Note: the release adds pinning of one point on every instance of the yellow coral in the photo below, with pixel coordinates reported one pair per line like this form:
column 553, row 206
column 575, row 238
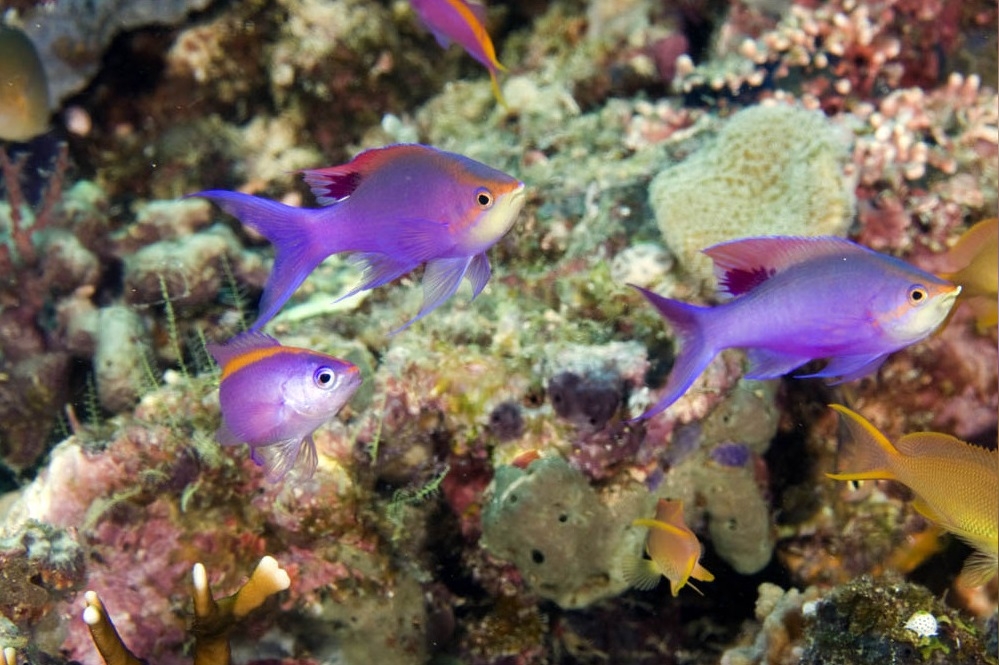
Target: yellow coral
column 773, row 170
column 212, row 619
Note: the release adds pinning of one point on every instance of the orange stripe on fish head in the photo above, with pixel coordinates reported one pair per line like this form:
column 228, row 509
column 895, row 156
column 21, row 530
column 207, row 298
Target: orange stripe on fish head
column 254, row 356
column 924, row 301
column 487, row 204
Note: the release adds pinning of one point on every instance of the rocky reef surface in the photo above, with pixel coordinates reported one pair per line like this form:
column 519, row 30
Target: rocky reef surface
column 474, row 502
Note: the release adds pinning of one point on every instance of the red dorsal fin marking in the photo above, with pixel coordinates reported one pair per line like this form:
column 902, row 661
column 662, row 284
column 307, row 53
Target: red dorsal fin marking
column 335, row 183
column 738, row 281
column 742, row 265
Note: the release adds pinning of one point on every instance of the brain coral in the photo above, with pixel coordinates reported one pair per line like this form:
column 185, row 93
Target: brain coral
column 773, row 170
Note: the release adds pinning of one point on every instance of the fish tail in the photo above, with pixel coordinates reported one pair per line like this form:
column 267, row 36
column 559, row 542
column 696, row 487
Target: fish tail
column 497, row 93
column 696, row 352
column 868, row 455
column 298, row 249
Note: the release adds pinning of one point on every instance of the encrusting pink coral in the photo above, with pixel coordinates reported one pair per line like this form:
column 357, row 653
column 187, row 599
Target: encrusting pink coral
column 212, row 619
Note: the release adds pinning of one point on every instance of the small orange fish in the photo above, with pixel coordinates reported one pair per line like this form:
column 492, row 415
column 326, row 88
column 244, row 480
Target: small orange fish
column 673, row 549
column 975, row 261
column 524, row 459
column 956, row 484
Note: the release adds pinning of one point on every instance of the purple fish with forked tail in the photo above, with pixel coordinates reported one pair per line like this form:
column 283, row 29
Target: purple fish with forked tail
column 274, row 397
column 795, row 300
column 393, row 208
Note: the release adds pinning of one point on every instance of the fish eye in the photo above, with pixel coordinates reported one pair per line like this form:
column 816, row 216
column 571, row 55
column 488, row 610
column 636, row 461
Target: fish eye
column 483, row 197
column 917, row 294
column 324, row 378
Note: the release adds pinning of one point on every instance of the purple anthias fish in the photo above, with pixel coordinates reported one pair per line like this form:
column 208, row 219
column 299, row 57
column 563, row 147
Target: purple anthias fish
column 801, row 299
column 274, row 397
column 462, row 22
column 393, row 208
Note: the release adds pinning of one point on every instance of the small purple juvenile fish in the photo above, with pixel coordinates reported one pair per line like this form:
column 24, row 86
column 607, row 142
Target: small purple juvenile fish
column 802, row 299
column 462, row 22
column 274, row 397
column 394, row 208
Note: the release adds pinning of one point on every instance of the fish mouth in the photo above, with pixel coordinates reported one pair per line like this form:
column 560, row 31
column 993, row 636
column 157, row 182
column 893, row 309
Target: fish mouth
column 951, row 294
column 518, row 192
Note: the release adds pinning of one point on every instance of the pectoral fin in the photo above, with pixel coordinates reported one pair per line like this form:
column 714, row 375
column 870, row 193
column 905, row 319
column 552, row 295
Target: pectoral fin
column 642, row 574
column 479, row 273
column 441, row 279
column 978, row 569
column 376, row 270
column 279, row 458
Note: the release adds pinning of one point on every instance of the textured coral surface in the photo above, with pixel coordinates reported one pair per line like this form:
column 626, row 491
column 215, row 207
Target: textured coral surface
column 474, row 501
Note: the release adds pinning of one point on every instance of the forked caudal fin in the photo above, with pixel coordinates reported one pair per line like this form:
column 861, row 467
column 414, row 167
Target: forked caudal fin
column 297, row 249
column 695, row 350
column 866, row 456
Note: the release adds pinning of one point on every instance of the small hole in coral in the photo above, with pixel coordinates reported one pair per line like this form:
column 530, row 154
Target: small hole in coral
column 537, row 556
column 563, row 518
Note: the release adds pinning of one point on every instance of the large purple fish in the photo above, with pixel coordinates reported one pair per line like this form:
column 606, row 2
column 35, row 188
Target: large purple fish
column 802, row 299
column 394, row 208
column 274, row 397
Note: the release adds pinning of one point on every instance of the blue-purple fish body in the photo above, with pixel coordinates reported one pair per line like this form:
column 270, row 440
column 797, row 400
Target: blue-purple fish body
column 394, row 209
column 798, row 299
column 274, row 397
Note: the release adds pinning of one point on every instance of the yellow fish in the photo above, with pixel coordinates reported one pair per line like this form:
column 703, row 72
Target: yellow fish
column 674, row 552
column 24, row 89
column 956, row 484
column 975, row 258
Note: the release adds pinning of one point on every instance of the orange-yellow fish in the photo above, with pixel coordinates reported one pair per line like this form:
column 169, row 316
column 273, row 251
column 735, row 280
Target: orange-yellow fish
column 673, row 549
column 24, row 89
column 956, row 484
column 975, row 261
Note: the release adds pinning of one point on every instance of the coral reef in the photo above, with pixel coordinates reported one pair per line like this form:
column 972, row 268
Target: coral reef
column 432, row 529
column 868, row 621
column 72, row 35
column 35, row 266
column 213, row 619
column 864, row 621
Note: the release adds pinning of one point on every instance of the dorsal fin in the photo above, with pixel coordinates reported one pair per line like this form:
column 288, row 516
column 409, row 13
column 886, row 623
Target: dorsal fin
column 237, row 346
column 934, row 444
column 335, row 183
column 742, row 265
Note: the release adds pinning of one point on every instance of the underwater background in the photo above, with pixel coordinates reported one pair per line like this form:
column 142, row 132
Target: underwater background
column 473, row 502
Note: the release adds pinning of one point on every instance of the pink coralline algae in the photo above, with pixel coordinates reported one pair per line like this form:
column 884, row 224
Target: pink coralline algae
column 924, row 164
column 833, row 53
